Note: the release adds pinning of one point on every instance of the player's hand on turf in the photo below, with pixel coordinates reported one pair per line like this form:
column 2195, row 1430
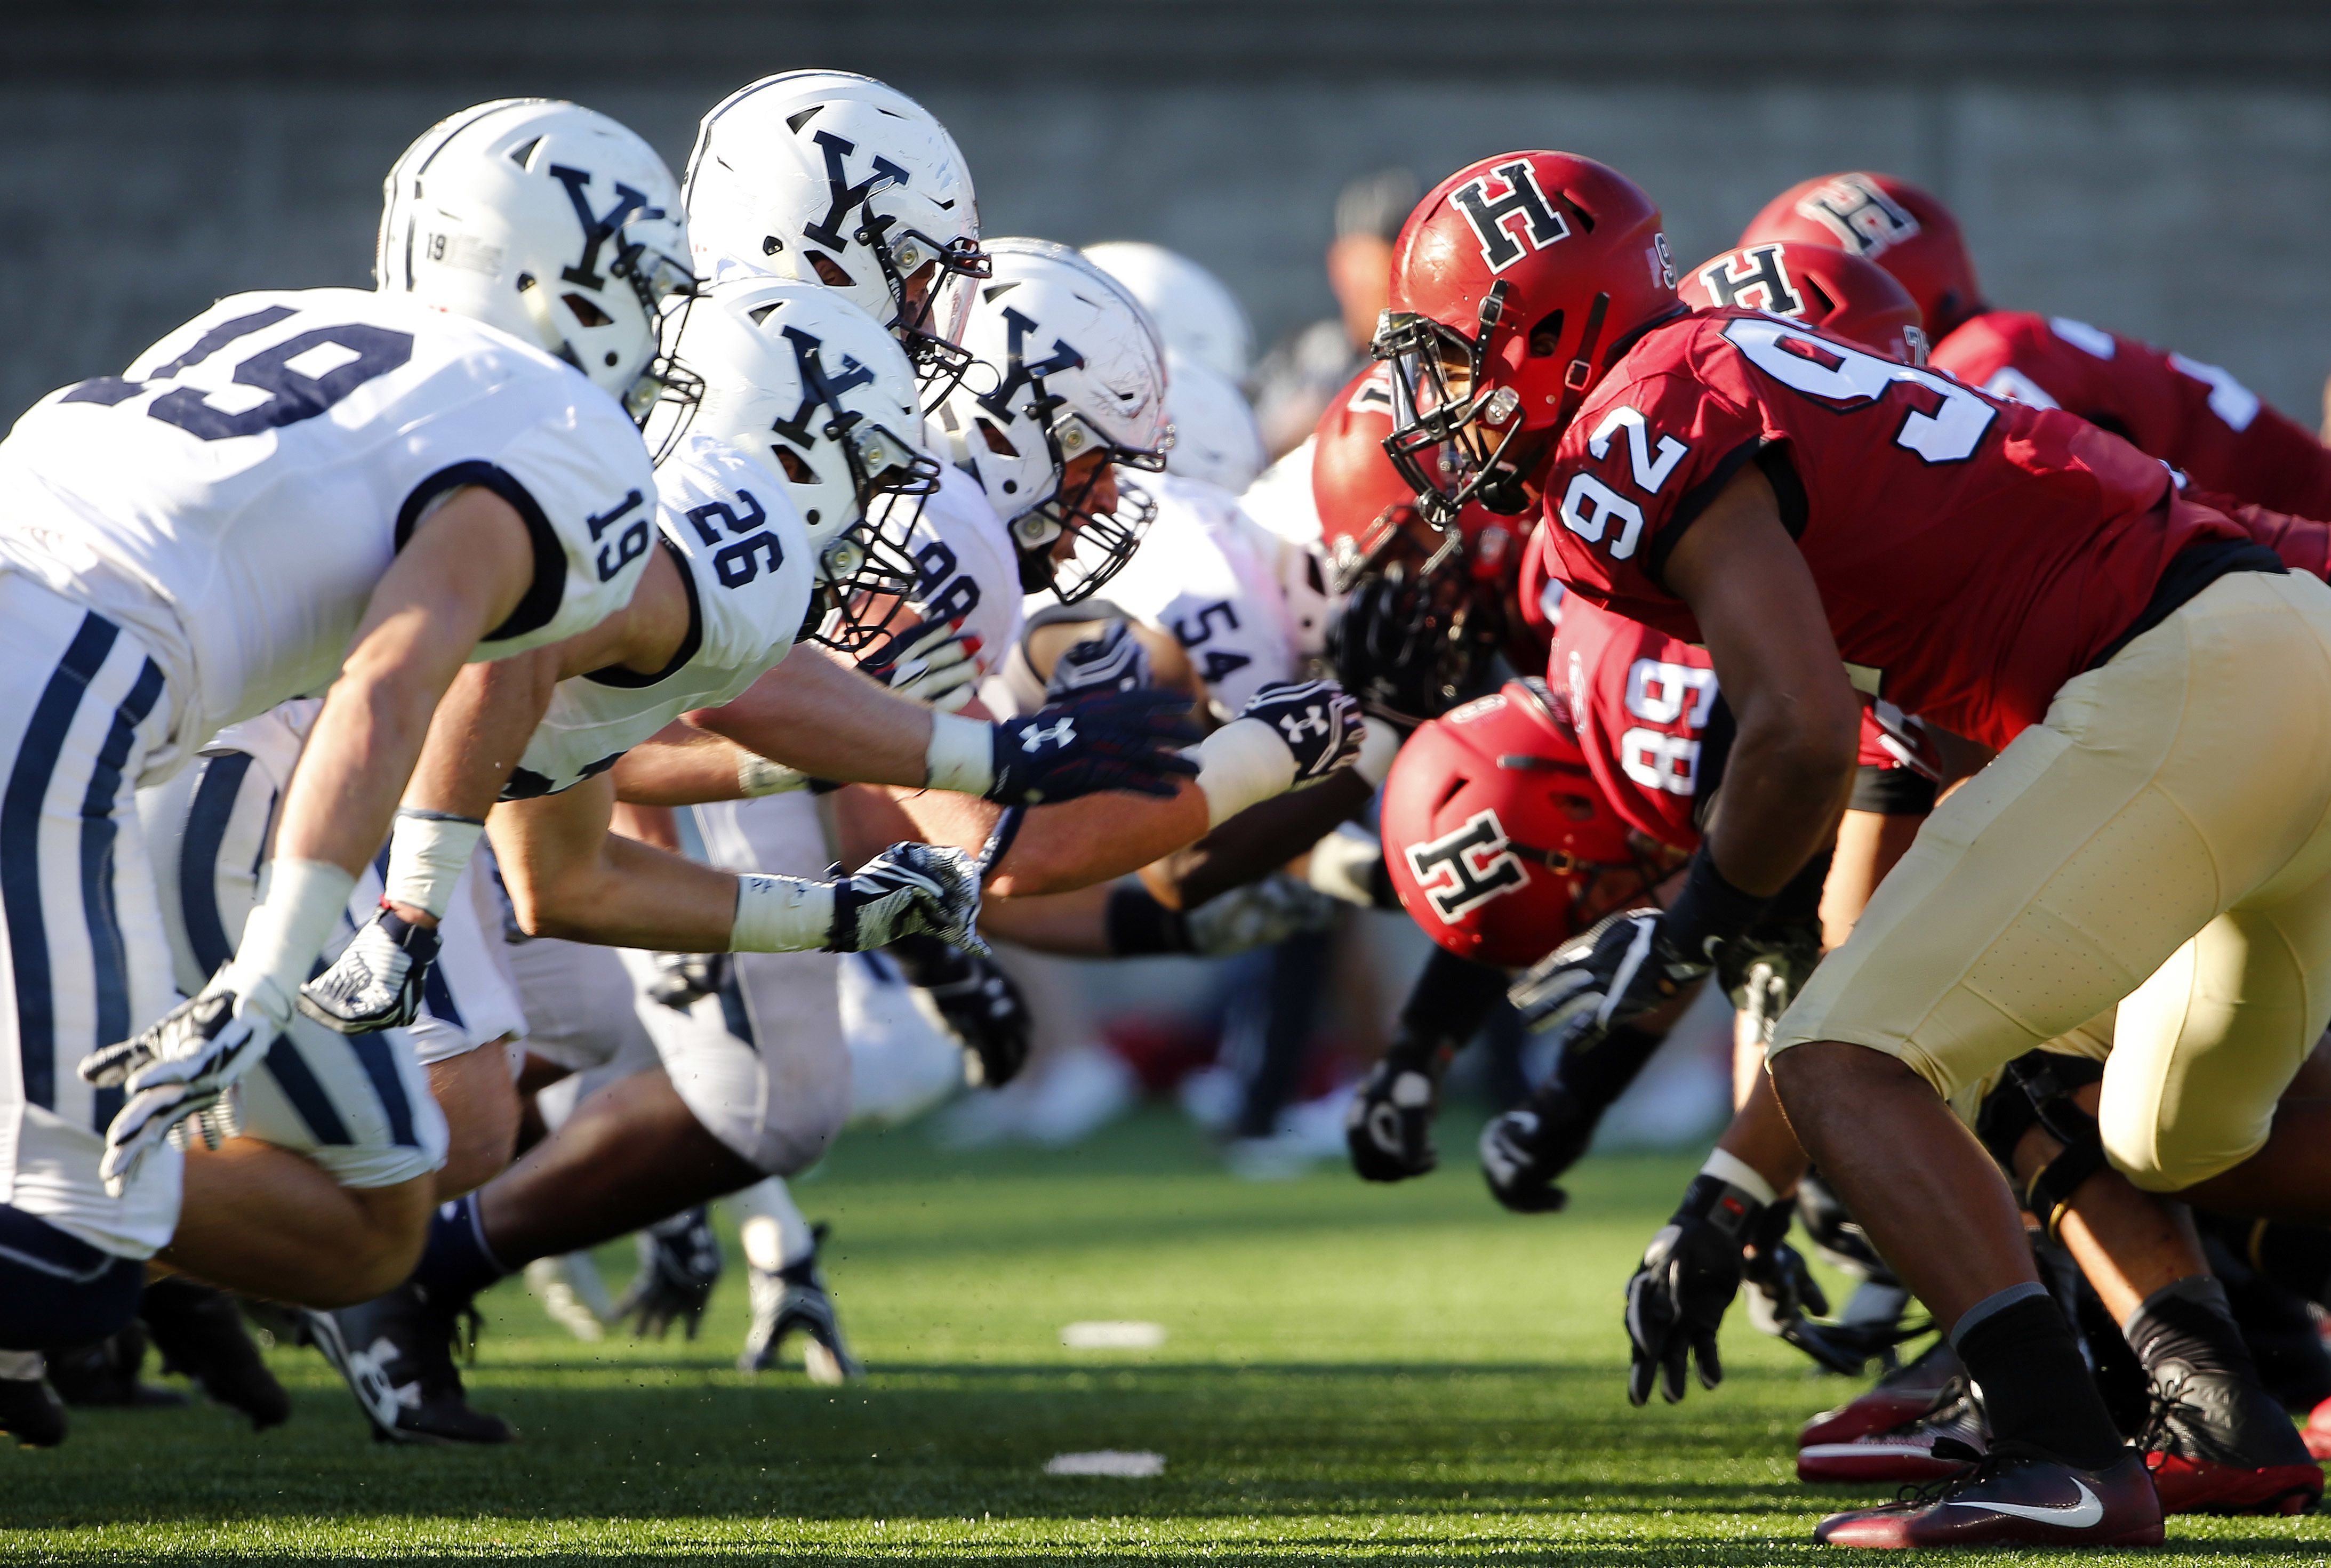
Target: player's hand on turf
column 1524, row 1150
column 1317, row 721
column 981, row 1005
column 1112, row 661
column 907, row 888
column 683, row 979
column 376, row 982
column 1678, row 1297
column 1389, row 1126
column 680, row 1263
column 1619, row 969
column 1095, row 741
column 930, row 661
column 177, row 1074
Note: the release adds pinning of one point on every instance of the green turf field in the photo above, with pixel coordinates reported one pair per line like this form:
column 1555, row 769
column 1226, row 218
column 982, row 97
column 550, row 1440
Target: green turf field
column 1351, row 1375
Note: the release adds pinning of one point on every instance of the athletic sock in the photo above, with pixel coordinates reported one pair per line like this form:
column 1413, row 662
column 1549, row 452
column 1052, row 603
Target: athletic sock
column 775, row 1234
column 456, row 1263
column 2036, row 1389
column 2189, row 1321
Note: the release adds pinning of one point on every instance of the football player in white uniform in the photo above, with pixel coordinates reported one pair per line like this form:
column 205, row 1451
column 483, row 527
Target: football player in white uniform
column 293, row 491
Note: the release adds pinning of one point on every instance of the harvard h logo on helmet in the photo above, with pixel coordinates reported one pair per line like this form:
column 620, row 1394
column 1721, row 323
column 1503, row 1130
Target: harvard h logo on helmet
column 1886, row 220
column 1755, row 278
column 1505, row 223
column 1819, row 285
column 1467, row 868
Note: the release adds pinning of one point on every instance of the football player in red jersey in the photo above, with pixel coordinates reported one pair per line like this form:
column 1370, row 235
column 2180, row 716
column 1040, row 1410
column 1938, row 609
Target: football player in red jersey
column 2193, row 415
column 1819, row 517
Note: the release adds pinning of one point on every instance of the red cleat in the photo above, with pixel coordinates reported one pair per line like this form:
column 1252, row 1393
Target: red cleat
column 1907, row 1453
column 1899, row 1398
column 2221, row 1445
column 2013, row 1495
column 2316, row 1433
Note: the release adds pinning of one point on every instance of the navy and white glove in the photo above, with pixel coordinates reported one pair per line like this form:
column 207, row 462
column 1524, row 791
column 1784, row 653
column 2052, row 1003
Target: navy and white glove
column 1677, row 1299
column 376, row 982
column 1258, row 914
column 1113, row 660
column 1524, row 1149
column 981, row 1006
column 1319, row 720
column 684, row 979
column 680, row 1263
column 1389, row 1126
column 177, row 1074
column 909, row 888
column 1619, row 969
column 1095, row 741
column 930, row 661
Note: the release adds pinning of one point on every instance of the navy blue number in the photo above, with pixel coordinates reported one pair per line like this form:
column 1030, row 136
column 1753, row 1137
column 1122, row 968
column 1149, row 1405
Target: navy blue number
column 738, row 565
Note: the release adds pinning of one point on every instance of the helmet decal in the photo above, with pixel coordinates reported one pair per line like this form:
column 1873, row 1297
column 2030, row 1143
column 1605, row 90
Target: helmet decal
column 1755, row 278
column 1501, row 245
column 1864, row 218
column 842, row 194
column 1476, row 861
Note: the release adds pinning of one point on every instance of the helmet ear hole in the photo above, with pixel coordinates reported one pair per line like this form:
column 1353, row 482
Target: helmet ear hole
column 1545, row 337
column 1579, row 211
column 1828, row 306
column 798, row 471
column 587, row 313
column 997, row 441
column 829, row 272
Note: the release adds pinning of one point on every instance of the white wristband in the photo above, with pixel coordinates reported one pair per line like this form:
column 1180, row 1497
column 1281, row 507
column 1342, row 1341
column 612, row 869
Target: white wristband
column 1379, row 743
column 757, row 777
column 1241, row 764
column 1726, row 1166
column 427, row 853
column 781, row 915
column 296, row 915
column 961, row 756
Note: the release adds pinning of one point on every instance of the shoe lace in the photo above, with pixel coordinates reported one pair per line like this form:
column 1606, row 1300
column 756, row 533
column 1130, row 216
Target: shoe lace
column 1983, row 1466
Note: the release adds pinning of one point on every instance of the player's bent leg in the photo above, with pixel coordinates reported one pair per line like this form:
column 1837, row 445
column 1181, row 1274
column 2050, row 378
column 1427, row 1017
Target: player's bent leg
column 267, row 1222
column 481, row 1103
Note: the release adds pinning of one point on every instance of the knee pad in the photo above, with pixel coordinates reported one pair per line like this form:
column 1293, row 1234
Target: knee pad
column 2037, row 1091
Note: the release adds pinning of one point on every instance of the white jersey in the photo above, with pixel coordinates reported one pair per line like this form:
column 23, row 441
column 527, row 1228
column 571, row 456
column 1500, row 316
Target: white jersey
column 1205, row 574
column 235, row 498
column 745, row 560
column 1280, row 499
column 967, row 573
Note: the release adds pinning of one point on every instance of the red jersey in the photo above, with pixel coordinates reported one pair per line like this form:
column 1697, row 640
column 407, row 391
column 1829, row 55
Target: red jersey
column 1640, row 701
column 2194, row 416
column 2303, row 544
column 1972, row 553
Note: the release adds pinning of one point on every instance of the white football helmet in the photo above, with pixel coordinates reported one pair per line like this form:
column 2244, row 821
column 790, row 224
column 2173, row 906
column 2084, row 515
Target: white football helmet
column 799, row 377
column 1072, row 368
column 1195, row 315
column 830, row 177
column 1215, row 438
column 547, row 219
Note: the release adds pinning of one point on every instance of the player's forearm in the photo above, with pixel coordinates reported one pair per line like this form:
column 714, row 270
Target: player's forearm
column 344, row 794
column 817, row 713
column 1068, row 925
column 682, row 765
column 1784, row 789
column 628, row 895
column 1255, row 842
column 480, row 731
column 1099, row 838
column 1760, row 1136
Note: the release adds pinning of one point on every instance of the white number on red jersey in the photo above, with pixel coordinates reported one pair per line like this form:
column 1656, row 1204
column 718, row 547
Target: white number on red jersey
column 1819, row 368
column 1659, row 692
column 1660, row 761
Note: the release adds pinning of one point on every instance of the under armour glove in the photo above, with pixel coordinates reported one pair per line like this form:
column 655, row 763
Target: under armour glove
column 1320, row 721
column 684, row 979
column 930, row 661
column 178, row 1072
column 1618, row 969
column 376, row 982
column 982, row 1007
column 680, row 1263
column 1389, row 1126
column 1094, row 741
column 909, row 888
column 1258, row 914
column 1524, row 1150
column 1677, row 1298
column 1763, row 970
column 1112, row 661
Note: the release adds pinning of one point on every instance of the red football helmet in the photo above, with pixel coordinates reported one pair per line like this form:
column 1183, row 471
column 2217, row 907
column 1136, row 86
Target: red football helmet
column 1510, row 283
column 1820, row 286
column 1889, row 222
column 1498, row 843
column 1368, row 514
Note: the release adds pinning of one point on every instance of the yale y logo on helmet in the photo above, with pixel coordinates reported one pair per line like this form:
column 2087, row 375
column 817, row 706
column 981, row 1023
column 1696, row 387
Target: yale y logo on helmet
column 549, row 221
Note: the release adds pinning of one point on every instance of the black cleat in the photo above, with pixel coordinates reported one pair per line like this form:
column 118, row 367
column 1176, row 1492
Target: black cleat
column 680, row 1263
column 104, row 1372
column 395, row 1353
column 793, row 1298
column 30, row 1410
column 201, row 1334
column 2223, row 1445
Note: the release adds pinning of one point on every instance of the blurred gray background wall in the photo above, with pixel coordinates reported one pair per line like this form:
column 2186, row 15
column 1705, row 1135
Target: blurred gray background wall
column 2163, row 168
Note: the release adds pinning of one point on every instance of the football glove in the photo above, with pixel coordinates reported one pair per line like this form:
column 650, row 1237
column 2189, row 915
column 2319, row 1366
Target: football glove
column 684, row 979
column 1677, row 1298
column 1389, row 1126
column 1762, row 971
column 376, row 982
column 909, row 888
column 1258, row 914
column 179, row 1072
column 1113, row 660
column 680, row 1263
column 1618, row 969
column 930, row 661
column 1320, row 722
column 1097, row 740
column 981, row 1006
column 1524, row 1150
